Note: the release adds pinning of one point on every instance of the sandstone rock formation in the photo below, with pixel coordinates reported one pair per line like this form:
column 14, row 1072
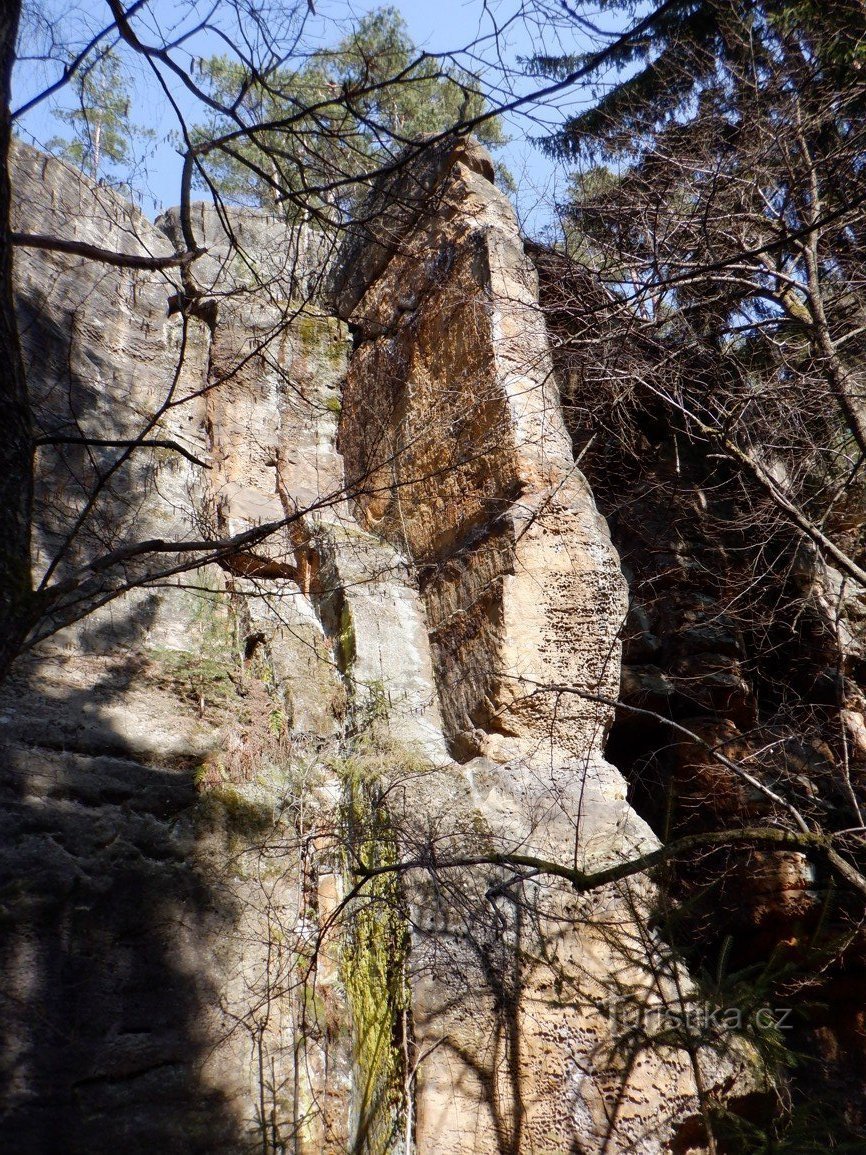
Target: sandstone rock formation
column 456, row 451
column 197, row 774
column 147, row 746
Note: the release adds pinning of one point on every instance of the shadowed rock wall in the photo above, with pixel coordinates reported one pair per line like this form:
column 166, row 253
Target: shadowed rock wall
column 155, row 752
column 194, row 774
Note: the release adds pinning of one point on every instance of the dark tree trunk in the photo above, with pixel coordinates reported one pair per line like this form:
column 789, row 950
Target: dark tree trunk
column 16, row 443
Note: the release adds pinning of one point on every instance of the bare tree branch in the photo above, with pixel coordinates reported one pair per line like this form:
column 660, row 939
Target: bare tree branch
column 145, row 443
column 105, row 256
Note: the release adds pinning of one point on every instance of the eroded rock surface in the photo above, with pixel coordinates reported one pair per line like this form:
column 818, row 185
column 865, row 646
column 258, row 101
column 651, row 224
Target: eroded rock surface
column 417, row 663
column 456, row 452
column 155, row 752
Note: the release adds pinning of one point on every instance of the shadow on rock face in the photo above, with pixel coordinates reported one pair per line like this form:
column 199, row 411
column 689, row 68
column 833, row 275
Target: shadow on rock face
column 109, row 929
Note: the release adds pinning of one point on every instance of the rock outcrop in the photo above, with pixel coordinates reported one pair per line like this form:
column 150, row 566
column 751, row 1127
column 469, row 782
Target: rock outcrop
column 456, row 452
column 415, row 667
column 152, row 745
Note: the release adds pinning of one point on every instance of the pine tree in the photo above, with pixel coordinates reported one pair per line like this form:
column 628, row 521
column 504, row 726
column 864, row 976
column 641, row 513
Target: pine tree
column 102, row 129
column 333, row 118
column 691, row 49
column 736, row 219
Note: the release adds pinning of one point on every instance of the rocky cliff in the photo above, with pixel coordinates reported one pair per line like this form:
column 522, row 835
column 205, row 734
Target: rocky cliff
column 211, row 777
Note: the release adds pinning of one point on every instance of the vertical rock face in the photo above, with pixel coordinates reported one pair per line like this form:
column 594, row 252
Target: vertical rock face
column 415, row 665
column 101, row 353
column 150, row 748
column 456, row 452
column 453, row 436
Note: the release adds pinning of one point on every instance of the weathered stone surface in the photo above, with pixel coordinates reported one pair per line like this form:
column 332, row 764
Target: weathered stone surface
column 391, row 212
column 101, row 355
column 108, row 987
column 377, row 616
column 194, row 777
column 456, row 452
column 153, row 752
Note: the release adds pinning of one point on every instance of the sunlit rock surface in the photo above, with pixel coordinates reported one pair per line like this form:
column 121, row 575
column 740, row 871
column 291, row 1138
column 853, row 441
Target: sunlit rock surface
column 456, row 452
column 407, row 666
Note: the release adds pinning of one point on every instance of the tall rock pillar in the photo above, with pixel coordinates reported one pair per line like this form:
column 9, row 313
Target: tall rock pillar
column 456, row 452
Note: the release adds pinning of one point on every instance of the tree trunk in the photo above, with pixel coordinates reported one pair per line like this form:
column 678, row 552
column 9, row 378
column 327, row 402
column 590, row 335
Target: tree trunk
column 16, row 443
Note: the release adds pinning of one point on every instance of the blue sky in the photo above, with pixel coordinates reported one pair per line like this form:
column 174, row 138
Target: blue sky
column 436, row 27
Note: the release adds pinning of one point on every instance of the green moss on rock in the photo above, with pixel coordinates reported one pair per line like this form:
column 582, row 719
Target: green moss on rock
column 376, row 948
